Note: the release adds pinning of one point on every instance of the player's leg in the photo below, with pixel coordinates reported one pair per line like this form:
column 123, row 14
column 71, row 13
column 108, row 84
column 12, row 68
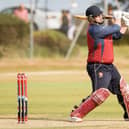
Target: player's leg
column 121, row 102
column 124, row 87
column 100, row 77
column 97, row 98
column 91, row 72
column 114, row 87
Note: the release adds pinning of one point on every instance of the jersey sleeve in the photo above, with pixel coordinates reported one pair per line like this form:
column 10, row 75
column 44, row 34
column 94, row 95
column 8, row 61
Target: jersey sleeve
column 103, row 31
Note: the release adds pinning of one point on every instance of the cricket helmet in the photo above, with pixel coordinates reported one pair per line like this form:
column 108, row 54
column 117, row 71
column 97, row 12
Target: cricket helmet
column 93, row 11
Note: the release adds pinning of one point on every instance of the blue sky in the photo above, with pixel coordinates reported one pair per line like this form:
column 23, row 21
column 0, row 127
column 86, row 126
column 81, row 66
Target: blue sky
column 54, row 4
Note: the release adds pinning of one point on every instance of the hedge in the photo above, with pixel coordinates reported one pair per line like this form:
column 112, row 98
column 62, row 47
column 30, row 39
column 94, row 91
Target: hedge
column 12, row 29
column 55, row 41
column 14, row 39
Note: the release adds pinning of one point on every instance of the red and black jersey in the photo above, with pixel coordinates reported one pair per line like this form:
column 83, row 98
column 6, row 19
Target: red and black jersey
column 100, row 42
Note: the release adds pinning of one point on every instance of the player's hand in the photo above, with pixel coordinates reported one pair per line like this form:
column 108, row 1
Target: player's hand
column 117, row 21
column 123, row 29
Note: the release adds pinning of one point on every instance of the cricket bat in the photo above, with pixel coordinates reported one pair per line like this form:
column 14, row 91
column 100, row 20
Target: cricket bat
column 81, row 17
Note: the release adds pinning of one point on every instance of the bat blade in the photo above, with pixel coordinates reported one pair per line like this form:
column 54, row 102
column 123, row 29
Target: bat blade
column 80, row 17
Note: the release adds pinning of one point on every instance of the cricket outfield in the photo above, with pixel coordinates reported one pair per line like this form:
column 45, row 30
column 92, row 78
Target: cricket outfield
column 52, row 95
column 54, row 86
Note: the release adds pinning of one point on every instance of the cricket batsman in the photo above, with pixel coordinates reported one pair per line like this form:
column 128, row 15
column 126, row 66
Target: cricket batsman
column 104, row 75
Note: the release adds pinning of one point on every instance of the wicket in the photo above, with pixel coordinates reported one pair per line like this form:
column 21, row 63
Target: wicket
column 22, row 97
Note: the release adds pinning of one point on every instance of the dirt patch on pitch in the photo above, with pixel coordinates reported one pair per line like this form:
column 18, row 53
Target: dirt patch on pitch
column 88, row 124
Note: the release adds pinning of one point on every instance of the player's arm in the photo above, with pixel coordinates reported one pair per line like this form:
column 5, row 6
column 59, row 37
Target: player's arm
column 114, row 29
column 104, row 31
column 123, row 26
column 123, row 29
column 118, row 35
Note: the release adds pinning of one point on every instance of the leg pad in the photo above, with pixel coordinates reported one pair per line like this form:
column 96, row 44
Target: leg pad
column 98, row 97
column 124, row 88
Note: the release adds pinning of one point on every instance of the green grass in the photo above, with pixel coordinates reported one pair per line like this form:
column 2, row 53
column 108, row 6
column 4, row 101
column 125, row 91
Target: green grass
column 54, row 100
column 60, row 63
column 52, row 97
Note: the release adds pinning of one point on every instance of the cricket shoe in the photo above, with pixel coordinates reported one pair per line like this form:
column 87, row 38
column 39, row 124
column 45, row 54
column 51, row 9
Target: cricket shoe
column 75, row 119
column 126, row 118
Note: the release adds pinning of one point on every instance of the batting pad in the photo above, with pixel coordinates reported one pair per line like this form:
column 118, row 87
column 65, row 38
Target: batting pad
column 98, row 97
column 124, row 87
